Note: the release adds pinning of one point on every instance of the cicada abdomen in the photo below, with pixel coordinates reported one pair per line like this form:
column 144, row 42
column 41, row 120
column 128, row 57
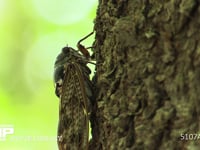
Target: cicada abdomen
column 74, row 89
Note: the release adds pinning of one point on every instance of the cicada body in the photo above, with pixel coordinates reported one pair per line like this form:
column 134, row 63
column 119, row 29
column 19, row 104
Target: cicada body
column 74, row 88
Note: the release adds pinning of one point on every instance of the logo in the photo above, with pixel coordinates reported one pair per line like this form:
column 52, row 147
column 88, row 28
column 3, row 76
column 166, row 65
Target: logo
column 5, row 130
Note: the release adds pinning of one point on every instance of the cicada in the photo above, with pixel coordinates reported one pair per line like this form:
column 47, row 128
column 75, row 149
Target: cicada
column 74, row 89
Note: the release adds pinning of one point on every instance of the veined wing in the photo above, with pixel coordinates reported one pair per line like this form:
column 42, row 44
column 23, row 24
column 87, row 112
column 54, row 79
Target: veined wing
column 73, row 112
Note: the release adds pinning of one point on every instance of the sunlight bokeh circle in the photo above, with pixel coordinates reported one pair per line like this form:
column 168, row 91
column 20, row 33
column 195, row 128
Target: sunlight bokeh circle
column 63, row 11
column 2, row 7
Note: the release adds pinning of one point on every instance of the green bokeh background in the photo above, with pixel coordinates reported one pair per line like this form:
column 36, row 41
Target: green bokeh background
column 32, row 34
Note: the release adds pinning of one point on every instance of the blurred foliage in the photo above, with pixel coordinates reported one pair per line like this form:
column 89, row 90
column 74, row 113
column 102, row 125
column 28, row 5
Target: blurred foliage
column 32, row 34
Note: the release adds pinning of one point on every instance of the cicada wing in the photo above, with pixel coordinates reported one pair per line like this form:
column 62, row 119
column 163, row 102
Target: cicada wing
column 73, row 114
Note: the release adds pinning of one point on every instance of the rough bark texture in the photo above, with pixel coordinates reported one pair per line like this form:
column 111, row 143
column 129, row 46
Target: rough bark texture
column 148, row 75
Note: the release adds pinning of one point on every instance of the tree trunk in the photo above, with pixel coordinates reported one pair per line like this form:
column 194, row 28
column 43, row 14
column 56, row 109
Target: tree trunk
column 148, row 75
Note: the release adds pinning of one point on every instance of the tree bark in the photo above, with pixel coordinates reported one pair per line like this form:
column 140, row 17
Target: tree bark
column 148, row 75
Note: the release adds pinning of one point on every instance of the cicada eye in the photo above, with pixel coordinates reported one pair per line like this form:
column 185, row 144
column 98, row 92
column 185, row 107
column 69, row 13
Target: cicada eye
column 66, row 50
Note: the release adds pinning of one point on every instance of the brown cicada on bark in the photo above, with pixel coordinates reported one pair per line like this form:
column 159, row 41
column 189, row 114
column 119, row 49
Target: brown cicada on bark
column 74, row 89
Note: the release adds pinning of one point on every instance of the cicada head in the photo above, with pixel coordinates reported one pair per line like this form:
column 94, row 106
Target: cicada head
column 66, row 56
